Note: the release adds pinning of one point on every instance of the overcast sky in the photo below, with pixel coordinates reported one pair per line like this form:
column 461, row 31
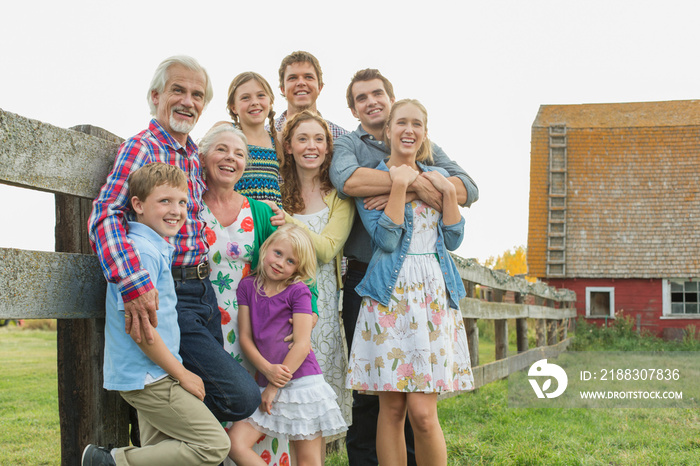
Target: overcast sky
column 482, row 69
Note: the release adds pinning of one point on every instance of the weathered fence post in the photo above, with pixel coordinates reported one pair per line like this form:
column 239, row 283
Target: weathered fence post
column 472, row 340
column 471, row 327
column 540, row 331
column 88, row 413
column 500, row 328
column 552, row 330
column 521, row 326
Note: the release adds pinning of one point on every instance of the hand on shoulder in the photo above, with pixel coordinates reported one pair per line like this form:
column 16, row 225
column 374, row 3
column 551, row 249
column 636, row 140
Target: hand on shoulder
column 279, row 218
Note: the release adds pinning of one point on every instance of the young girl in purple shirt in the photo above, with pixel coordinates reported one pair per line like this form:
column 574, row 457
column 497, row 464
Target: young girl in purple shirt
column 296, row 400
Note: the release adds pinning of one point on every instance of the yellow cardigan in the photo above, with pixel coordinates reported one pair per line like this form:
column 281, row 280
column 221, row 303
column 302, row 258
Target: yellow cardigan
column 329, row 243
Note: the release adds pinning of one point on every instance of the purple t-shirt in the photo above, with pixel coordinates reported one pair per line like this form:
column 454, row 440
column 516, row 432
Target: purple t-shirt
column 269, row 321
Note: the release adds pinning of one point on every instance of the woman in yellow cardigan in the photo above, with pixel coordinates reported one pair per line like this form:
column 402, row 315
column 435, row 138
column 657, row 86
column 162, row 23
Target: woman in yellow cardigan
column 310, row 201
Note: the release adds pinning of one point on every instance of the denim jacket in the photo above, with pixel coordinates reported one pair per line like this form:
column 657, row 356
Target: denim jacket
column 390, row 243
column 360, row 149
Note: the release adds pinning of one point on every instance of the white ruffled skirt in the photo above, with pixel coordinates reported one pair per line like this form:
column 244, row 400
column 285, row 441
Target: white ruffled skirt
column 304, row 409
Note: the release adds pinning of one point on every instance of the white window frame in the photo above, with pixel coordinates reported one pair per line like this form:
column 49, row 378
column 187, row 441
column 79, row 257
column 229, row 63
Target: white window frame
column 666, row 290
column 594, row 289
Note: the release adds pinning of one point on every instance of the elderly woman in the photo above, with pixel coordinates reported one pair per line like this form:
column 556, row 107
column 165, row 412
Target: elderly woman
column 236, row 227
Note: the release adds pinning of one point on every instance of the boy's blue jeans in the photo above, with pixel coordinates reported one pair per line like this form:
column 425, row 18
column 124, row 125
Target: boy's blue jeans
column 231, row 393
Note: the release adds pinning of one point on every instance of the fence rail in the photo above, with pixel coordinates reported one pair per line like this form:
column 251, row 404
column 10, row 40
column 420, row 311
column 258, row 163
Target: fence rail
column 50, row 285
column 69, row 285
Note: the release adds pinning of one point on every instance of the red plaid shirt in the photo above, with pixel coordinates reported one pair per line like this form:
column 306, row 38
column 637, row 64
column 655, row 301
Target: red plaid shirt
column 107, row 224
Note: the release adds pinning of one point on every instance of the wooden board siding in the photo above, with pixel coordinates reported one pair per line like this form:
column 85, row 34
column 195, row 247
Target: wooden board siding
column 633, row 192
column 633, row 202
column 633, row 297
column 539, row 185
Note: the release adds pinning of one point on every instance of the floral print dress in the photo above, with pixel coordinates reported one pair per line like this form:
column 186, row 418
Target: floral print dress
column 230, row 254
column 417, row 343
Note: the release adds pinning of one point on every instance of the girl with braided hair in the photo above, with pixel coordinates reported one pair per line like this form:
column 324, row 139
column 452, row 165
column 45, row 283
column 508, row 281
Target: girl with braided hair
column 249, row 103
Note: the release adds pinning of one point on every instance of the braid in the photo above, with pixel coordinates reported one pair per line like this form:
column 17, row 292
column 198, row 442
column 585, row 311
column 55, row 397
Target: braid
column 273, row 132
column 234, row 117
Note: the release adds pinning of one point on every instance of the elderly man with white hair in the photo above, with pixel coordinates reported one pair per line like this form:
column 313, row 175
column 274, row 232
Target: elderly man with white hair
column 179, row 92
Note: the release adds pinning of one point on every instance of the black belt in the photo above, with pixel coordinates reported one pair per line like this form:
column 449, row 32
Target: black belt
column 194, row 272
column 357, row 265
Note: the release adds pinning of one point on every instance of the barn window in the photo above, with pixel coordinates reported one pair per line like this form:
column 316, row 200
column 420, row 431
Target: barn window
column 682, row 298
column 600, row 302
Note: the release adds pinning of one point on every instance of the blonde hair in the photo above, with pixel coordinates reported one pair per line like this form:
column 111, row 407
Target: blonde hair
column 144, row 180
column 425, row 151
column 303, row 248
column 292, row 201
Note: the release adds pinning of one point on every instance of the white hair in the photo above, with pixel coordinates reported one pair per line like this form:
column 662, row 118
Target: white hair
column 205, row 144
column 160, row 78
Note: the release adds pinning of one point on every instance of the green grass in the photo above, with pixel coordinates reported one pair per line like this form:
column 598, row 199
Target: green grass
column 479, row 427
column 28, row 398
column 487, row 351
column 621, row 335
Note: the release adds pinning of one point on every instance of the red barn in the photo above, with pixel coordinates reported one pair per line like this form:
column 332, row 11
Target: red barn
column 615, row 210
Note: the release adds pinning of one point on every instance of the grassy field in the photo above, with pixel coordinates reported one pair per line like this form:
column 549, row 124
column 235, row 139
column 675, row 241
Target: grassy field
column 28, row 398
column 479, row 427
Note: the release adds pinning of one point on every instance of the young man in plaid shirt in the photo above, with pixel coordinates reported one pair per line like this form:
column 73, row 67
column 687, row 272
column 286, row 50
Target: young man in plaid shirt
column 301, row 82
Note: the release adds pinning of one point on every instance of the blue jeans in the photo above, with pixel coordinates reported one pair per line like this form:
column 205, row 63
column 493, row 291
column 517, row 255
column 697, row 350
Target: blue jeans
column 361, row 439
column 232, row 394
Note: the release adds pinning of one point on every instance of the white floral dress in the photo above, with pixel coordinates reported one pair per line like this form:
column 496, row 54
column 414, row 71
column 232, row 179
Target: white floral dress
column 230, row 254
column 327, row 337
column 417, row 343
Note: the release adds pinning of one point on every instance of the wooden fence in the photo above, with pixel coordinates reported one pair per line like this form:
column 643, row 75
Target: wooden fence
column 68, row 285
column 496, row 296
